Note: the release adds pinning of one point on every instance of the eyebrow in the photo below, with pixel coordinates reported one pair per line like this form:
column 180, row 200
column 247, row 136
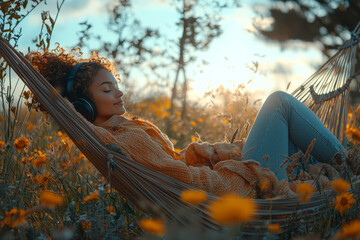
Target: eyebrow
column 106, row 82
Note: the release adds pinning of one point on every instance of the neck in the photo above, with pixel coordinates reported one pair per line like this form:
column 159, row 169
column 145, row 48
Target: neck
column 99, row 121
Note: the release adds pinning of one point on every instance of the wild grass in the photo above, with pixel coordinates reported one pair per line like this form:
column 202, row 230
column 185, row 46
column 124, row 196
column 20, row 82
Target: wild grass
column 91, row 209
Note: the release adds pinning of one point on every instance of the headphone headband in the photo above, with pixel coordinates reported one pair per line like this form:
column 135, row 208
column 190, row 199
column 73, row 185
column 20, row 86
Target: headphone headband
column 81, row 103
column 71, row 77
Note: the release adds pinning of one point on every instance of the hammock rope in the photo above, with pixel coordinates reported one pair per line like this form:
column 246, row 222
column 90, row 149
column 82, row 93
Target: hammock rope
column 142, row 185
column 327, row 91
column 145, row 187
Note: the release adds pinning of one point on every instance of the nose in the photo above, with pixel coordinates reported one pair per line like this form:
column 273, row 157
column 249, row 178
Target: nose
column 119, row 93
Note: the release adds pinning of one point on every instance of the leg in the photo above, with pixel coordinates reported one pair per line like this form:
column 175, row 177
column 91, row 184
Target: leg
column 282, row 123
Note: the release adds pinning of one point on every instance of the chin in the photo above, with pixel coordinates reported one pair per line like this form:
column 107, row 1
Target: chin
column 123, row 111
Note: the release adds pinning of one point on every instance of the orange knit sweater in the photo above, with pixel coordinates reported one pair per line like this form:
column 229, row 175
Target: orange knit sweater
column 146, row 144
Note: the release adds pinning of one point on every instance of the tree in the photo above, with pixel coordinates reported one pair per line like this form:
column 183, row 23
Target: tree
column 326, row 21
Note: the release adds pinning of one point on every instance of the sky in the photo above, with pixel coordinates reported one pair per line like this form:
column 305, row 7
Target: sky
column 229, row 56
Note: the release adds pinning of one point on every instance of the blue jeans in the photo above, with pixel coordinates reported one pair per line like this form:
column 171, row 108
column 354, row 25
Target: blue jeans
column 283, row 126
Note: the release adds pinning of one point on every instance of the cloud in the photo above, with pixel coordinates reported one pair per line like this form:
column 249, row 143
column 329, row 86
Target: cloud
column 73, row 10
column 152, row 3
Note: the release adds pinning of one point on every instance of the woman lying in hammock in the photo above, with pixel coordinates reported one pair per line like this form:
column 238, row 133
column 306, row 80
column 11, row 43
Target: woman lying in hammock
column 282, row 126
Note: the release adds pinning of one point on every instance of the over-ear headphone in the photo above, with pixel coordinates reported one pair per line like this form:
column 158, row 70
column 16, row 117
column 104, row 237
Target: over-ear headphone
column 82, row 104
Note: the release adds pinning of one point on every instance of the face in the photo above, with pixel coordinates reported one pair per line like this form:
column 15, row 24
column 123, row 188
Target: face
column 106, row 96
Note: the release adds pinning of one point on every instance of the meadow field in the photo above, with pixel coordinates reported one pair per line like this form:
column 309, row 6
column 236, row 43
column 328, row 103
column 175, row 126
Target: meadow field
column 50, row 190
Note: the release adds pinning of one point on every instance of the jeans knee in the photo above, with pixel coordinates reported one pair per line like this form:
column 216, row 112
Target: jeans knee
column 276, row 97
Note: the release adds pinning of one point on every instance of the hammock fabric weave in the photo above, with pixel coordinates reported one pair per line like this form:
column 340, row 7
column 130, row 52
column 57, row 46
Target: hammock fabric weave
column 146, row 187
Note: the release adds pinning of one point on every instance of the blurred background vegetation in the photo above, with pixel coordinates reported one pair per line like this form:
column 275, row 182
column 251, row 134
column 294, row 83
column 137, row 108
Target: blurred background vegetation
column 164, row 60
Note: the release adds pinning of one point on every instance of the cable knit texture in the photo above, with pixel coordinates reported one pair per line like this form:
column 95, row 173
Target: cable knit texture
column 146, row 144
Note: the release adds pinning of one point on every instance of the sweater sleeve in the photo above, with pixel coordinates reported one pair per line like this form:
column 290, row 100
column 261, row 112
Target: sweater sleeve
column 226, row 176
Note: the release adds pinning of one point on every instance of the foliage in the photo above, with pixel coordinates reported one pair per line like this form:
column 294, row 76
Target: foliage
column 50, row 190
column 327, row 22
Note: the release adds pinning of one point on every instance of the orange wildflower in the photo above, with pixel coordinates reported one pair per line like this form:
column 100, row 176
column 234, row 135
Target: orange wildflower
column 15, row 218
column 111, row 209
column 340, row 185
column 153, row 226
column 351, row 230
column 344, row 202
column 30, row 126
column 304, row 192
column 20, row 143
column 40, row 160
column 232, row 208
column 193, row 123
column 44, row 179
column 2, row 145
column 200, row 120
column 63, row 164
column 91, row 197
column 86, row 225
column 193, row 196
column 353, row 133
column 274, row 227
column 50, row 199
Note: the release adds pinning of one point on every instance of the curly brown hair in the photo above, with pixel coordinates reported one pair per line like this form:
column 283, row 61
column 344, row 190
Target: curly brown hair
column 56, row 65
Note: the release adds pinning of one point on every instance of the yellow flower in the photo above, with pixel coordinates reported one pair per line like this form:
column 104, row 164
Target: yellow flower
column 110, row 209
column 193, row 123
column 63, row 164
column 20, row 143
column 340, row 185
column 30, row 126
column 44, row 179
column 90, row 197
column 40, row 160
column 193, row 196
column 304, row 192
column 200, row 120
column 2, row 145
column 50, row 199
column 274, row 227
column 232, row 208
column 224, row 121
column 15, row 218
column 344, row 202
column 153, row 226
column 353, row 133
column 86, row 225
column 193, row 139
column 351, row 230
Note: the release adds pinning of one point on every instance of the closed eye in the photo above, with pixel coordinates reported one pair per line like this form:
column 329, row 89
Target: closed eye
column 107, row 91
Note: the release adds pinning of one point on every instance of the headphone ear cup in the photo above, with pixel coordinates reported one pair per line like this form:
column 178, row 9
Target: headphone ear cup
column 85, row 107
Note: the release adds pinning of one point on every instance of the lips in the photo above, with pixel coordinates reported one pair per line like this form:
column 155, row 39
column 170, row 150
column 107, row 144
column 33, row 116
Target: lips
column 118, row 103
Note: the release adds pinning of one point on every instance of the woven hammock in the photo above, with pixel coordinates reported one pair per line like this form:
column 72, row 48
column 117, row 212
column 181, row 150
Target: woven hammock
column 327, row 91
column 153, row 191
